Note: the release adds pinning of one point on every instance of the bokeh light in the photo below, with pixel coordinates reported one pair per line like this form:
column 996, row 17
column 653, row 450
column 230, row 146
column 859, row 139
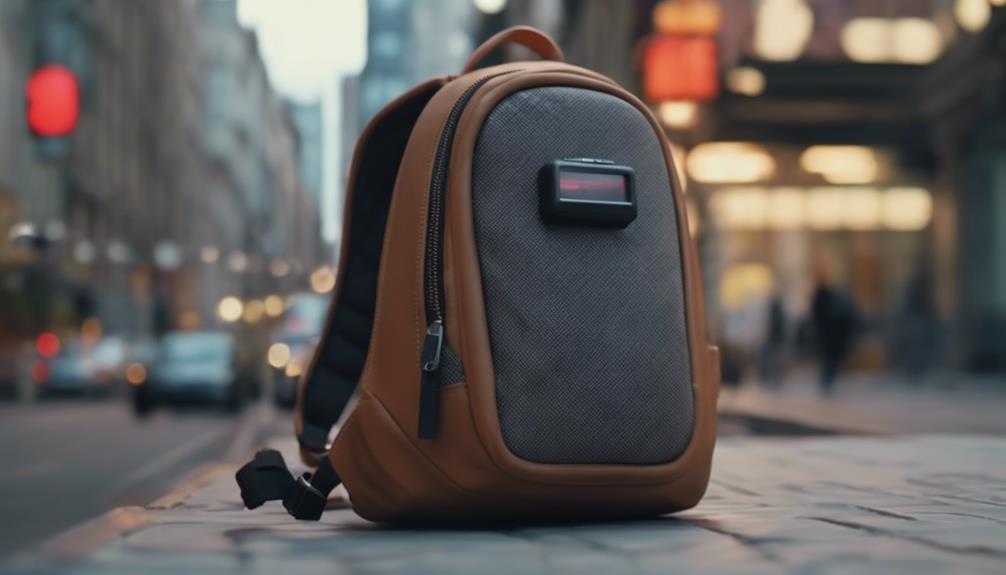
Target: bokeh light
column 278, row 355
column 730, row 162
column 230, row 309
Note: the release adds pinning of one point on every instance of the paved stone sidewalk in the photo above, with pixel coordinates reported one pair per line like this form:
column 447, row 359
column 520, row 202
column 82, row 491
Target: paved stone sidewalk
column 927, row 504
column 883, row 403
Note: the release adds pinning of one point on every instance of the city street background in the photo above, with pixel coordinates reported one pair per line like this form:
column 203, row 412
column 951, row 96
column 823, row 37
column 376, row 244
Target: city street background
column 171, row 184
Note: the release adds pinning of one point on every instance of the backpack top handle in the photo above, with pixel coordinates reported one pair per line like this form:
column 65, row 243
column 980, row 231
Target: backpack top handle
column 531, row 38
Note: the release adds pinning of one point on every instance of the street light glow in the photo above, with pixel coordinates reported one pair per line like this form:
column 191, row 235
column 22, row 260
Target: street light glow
column 867, row 40
column 787, row 209
column 907, row 208
column 230, row 309
column 237, row 262
column 322, row 280
column 254, row 309
column 916, row 41
column 972, row 15
column 782, row 29
column 209, row 254
column 490, row 6
column 730, row 163
column 903, row 40
column 740, row 208
column 136, row 374
column 273, row 305
column 679, row 115
column 861, row 209
column 746, row 80
column 824, row 209
column 279, row 267
column 84, row 252
column 278, row 355
column 841, row 164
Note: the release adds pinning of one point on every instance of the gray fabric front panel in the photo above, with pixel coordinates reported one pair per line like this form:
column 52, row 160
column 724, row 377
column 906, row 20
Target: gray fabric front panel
column 587, row 325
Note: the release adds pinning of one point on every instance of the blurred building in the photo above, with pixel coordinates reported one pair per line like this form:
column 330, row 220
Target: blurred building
column 407, row 43
column 850, row 142
column 309, row 122
column 962, row 99
column 181, row 183
column 257, row 162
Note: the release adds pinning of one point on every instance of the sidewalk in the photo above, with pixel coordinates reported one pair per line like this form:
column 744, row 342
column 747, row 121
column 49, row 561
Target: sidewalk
column 926, row 504
column 878, row 403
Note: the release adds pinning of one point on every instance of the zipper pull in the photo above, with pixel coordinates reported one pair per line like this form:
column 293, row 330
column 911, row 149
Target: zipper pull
column 429, row 360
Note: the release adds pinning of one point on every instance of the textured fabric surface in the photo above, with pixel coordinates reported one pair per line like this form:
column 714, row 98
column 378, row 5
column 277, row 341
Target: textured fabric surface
column 587, row 325
column 451, row 370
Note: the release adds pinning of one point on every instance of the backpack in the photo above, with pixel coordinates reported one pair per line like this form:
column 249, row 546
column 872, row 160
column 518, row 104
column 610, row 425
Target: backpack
column 518, row 314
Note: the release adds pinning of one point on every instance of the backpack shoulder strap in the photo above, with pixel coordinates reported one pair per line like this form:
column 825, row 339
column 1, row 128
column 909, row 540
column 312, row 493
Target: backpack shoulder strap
column 331, row 380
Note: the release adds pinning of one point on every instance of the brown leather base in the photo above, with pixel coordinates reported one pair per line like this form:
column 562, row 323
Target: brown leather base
column 390, row 480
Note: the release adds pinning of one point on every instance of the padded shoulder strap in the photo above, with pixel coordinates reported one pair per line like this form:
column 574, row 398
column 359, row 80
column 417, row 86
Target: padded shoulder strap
column 339, row 359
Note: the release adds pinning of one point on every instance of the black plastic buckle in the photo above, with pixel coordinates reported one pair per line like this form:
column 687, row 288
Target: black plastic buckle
column 304, row 501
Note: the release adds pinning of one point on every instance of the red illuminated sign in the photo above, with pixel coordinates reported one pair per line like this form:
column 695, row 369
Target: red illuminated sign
column 53, row 99
column 680, row 68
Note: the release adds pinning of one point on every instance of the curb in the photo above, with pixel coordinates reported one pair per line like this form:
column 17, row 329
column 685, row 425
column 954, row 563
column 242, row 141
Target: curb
column 88, row 536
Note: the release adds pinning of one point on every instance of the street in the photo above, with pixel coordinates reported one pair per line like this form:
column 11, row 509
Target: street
column 66, row 461
column 70, row 460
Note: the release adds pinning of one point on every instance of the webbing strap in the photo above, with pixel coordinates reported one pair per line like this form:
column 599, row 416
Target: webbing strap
column 266, row 478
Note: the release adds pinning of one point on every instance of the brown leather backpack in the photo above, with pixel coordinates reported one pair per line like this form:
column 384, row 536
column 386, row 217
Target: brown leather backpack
column 518, row 312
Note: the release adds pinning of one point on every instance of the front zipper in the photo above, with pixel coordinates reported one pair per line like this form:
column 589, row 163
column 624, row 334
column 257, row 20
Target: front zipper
column 433, row 273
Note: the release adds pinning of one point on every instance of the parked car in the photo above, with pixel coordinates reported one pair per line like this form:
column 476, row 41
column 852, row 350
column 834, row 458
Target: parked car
column 191, row 367
column 81, row 367
column 107, row 358
column 294, row 340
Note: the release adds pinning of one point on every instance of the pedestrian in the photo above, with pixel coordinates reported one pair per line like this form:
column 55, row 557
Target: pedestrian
column 773, row 347
column 834, row 319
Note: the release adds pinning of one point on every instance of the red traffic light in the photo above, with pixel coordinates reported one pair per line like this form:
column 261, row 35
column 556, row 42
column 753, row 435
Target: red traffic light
column 53, row 99
column 47, row 344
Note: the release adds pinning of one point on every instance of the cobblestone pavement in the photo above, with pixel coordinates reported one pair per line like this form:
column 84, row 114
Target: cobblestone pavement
column 918, row 504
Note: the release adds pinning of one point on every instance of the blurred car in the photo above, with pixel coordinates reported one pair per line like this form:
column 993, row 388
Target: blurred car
column 107, row 358
column 287, row 376
column 293, row 344
column 190, row 367
column 80, row 367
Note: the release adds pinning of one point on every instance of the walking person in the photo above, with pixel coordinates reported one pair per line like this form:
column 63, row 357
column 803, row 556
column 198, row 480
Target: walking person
column 834, row 319
column 773, row 348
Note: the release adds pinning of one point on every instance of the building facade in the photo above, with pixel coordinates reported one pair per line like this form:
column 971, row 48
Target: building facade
column 180, row 184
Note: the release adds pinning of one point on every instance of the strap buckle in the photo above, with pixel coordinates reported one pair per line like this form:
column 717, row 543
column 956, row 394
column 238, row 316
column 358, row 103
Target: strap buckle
column 264, row 478
column 304, row 501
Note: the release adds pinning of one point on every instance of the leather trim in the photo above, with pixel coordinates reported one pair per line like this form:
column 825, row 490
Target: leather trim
column 531, row 38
